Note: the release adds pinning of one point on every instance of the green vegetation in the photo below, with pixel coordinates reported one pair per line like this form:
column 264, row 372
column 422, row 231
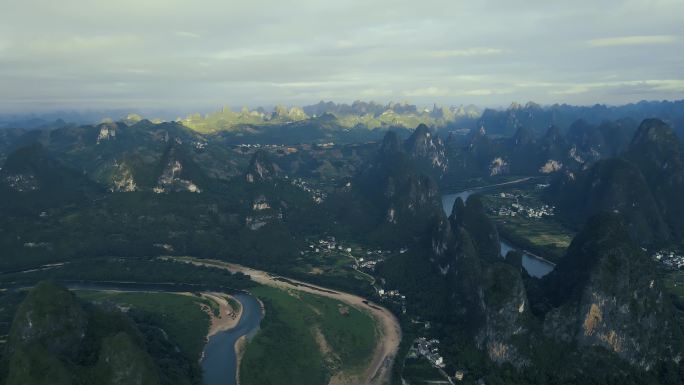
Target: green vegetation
column 73, row 342
column 142, row 270
column 180, row 316
column 421, row 372
column 332, row 268
column 382, row 117
column 545, row 236
column 304, row 339
column 234, row 304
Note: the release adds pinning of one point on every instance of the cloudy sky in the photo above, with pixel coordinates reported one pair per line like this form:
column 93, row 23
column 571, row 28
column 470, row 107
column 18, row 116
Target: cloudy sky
column 200, row 54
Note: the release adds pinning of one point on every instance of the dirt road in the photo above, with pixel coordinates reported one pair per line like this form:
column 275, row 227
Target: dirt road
column 379, row 370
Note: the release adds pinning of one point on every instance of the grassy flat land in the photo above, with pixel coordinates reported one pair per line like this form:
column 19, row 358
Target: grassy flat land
column 180, row 316
column 545, row 236
column 332, row 268
column 420, row 371
column 541, row 236
column 305, row 339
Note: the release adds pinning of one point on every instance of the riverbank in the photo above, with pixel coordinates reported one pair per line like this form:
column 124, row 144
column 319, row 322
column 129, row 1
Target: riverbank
column 378, row 371
column 241, row 345
column 535, row 265
column 227, row 318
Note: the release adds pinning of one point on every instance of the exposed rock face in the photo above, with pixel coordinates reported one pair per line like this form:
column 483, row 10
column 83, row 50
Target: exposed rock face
column 395, row 185
column 498, row 166
column 178, row 173
column 506, row 308
column 107, row 132
column 427, row 149
column 170, row 180
column 261, row 168
column 606, row 293
column 659, row 154
column 612, row 185
column 122, row 180
column 261, row 203
column 488, row 297
column 551, row 166
column 587, row 140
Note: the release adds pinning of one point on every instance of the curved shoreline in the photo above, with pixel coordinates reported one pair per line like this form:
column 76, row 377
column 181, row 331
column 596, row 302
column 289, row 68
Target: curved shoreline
column 379, row 369
column 241, row 344
column 227, row 319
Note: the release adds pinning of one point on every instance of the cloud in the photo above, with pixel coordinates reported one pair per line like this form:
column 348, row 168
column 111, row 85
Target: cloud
column 426, row 91
column 477, row 51
column 187, row 34
column 187, row 55
column 632, row 40
column 667, row 85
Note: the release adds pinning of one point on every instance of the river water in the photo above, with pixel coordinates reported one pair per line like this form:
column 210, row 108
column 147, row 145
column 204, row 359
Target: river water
column 219, row 362
column 536, row 267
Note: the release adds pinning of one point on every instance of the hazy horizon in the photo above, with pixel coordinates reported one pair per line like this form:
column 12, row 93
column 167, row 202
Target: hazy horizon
column 189, row 56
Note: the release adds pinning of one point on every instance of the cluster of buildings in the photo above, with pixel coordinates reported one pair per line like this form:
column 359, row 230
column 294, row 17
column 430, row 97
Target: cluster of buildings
column 422, row 347
column 258, row 145
column 22, row 182
column 669, row 259
column 318, row 196
column 327, row 245
column 367, row 264
column 392, row 296
column 518, row 209
column 372, row 258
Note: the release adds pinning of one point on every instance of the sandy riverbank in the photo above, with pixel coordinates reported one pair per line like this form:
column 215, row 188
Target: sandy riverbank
column 228, row 317
column 379, row 369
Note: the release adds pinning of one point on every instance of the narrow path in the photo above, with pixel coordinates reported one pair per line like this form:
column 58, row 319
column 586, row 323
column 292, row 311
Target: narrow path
column 379, row 369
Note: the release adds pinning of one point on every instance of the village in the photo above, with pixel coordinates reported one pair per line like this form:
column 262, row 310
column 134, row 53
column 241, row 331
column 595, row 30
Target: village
column 318, row 196
column 520, row 210
column 365, row 265
column 422, row 347
column 669, row 259
column 429, row 349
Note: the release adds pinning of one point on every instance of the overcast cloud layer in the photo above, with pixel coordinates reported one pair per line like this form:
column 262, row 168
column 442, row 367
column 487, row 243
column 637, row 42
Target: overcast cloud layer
column 183, row 54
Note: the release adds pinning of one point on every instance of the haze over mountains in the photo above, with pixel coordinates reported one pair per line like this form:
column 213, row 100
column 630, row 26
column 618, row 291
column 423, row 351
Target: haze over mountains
column 341, row 193
column 255, row 187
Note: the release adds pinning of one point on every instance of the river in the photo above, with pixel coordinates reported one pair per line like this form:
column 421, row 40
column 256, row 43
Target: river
column 535, row 266
column 219, row 364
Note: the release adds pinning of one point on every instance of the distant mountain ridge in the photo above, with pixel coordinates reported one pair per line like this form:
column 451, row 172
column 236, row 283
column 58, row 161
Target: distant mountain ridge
column 538, row 118
column 643, row 183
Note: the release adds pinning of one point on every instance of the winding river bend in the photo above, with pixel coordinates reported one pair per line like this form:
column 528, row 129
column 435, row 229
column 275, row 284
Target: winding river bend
column 219, row 364
column 535, row 266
